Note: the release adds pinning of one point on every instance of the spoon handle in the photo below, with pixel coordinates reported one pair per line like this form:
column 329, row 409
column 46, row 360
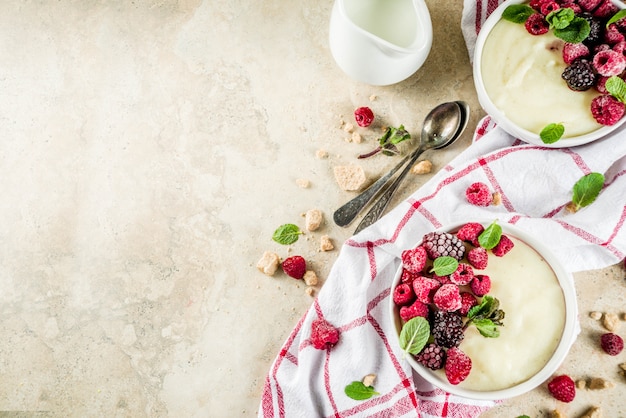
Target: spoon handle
column 346, row 213
column 379, row 207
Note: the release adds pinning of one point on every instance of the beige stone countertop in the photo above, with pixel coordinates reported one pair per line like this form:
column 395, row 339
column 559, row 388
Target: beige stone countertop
column 148, row 150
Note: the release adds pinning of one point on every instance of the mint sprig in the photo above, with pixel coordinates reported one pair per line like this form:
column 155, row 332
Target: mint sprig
column 442, row 266
column 414, row 335
column 517, row 13
column 616, row 88
column 617, row 16
column 387, row 144
column 552, row 133
column 490, row 237
column 567, row 26
column 287, row 234
column 586, row 190
column 359, row 392
column 486, row 317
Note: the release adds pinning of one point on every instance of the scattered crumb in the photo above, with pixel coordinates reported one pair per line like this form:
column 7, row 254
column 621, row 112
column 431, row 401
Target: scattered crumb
column 496, row 199
column 310, row 291
column 310, row 278
column 325, row 243
column 581, row 384
column 268, row 264
column 610, row 321
column 593, row 412
column 350, row 177
column 595, row 315
column 303, row 183
column 555, row 414
column 321, row 154
column 373, row 97
column 423, row 167
column 571, row 207
column 356, row 138
column 348, row 127
column 313, row 219
column 600, row 383
column 369, row 379
column 622, row 366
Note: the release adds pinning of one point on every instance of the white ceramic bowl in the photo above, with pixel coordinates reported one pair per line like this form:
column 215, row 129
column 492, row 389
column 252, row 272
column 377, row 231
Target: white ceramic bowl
column 499, row 117
column 568, row 335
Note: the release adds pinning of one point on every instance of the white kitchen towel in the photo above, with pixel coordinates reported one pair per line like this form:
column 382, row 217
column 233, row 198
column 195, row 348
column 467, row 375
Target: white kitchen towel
column 535, row 184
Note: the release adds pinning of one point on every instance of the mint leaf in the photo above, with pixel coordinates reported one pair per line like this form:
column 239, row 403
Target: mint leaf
column 552, row 133
column 517, row 13
column 560, row 18
column 389, row 140
column 490, row 237
column 587, row 189
column 617, row 16
column 487, row 328
column 486, row 306
column 414, row 335
column 442, row 266
column 577, row 31
column 398, row 135
column 616, row 87
column 286, row 234
column 523, row 416
column 359, row 392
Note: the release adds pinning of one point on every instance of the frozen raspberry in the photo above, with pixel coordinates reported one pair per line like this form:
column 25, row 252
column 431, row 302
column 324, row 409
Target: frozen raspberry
column 620, row 47
column 364, row 116
column 612, row 35
column 414, row 260
column 424, row 288
column 478, row 258
column 432, row 356
column 600, row 48
column 408, row 276
column 294, row 266
column 579, row 75
column 571, row 52
column 478, row 194
column 536, row 24
column 504, row 246
column 481, row 284
column 323, row 334
column 572, row 5
column 440, row 244
column 601, row 84
column 589, row 5
column 536, row 4
column 416, row 309
column 447, row 298
column 468, row 301
column 403, row 294
column 442, row 279
column 458, row 365
column 562, row 388
column 606, row 109
column 470, row 232
column 611, row 343
column 548, row 7
column 609, row 63
column 605, row 9
column 463, row 274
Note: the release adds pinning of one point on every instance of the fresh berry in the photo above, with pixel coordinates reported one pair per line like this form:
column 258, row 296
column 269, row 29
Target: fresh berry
column 606, row 109
column 605, row 9
column 571, row 52
column 611, row 343
column 571, row 5
column 562, row 388
column 468, row 301
column 481, row 284
column 463, row 275
column 470, row 232
column 414, row 259
column 403, row 294
column 447, row 298
column 440, row 244
column 447, row 328
column 458, row 365
column 589, row 5
column 601, row 83
column 364, row 116
column 620, row 47
column 579, row 75
column 536, row 4
column 424, row 288
column 408, row 276
column 613, row 36
column 294, row 266
column 323, row 334
column 416, row 309
column 548, row 7
column 432, row 356
column 478, row 194
column 442, row 279
column 536, row 24
column 504, row 246
column 609, row 62
column 478, row 258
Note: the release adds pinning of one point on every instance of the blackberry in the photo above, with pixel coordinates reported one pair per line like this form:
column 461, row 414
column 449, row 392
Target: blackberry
column 596, row 30
column 579, row 76
column 439, row 244
column 447, row 328
column 432, row 356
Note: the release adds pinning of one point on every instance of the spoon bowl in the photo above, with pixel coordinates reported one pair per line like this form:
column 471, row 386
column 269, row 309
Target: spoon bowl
column 442, row 126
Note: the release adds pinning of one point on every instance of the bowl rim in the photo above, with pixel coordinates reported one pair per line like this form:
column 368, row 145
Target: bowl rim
column 568, row 336
column 499, row 117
